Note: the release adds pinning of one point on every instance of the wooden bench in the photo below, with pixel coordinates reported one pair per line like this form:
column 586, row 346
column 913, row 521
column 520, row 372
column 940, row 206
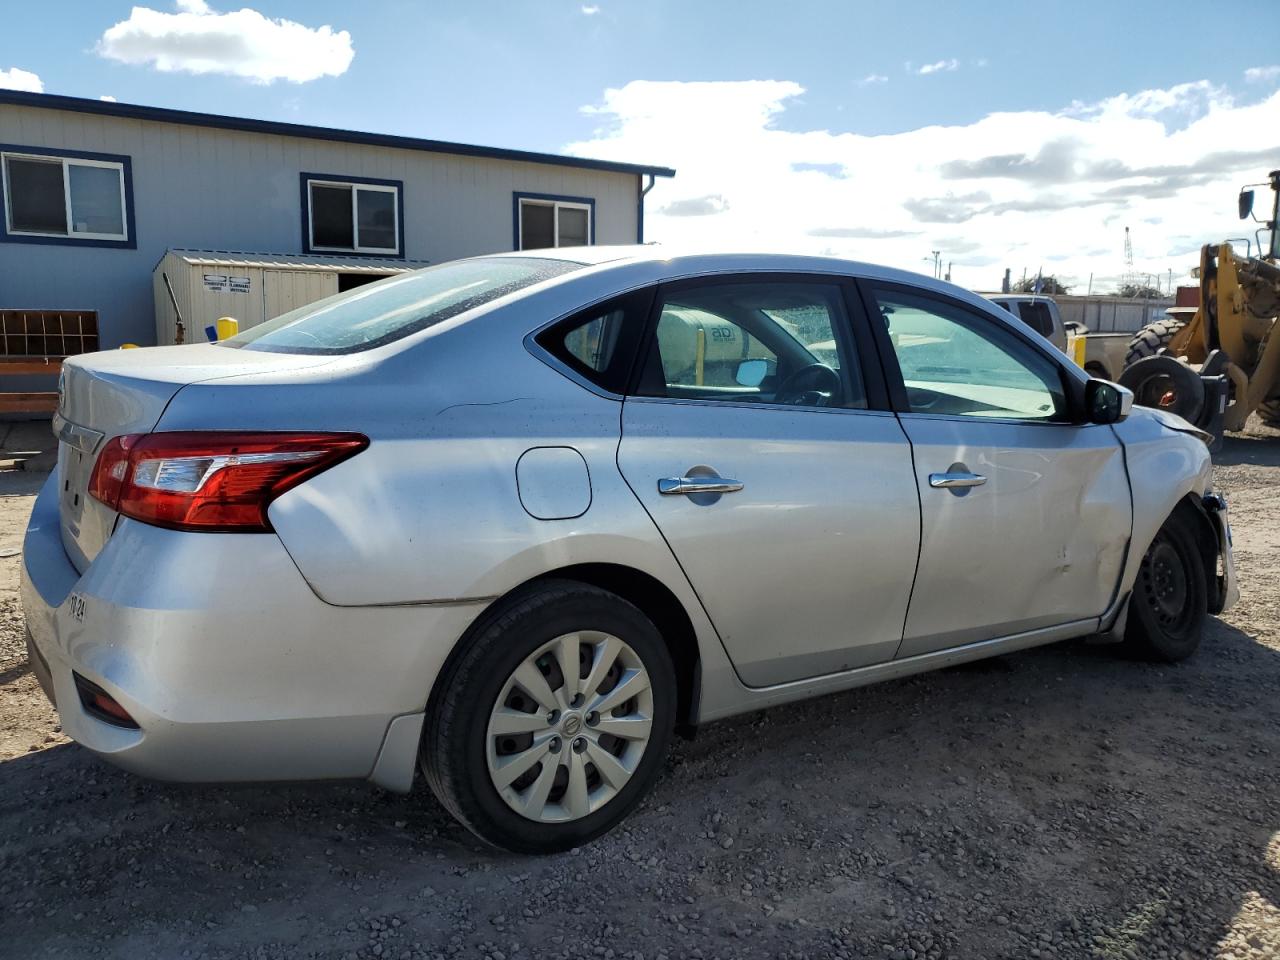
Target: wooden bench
column 40, row 402
column 34, row 343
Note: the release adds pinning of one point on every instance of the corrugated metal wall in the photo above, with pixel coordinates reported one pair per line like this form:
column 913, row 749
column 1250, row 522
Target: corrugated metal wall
column 1111, row 314
column 205, row 188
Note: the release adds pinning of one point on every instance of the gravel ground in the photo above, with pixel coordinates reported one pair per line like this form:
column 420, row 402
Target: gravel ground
column 1054, row 803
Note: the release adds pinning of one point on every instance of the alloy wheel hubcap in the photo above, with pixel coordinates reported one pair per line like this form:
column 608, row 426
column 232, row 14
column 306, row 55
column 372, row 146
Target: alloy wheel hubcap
column 569, row 727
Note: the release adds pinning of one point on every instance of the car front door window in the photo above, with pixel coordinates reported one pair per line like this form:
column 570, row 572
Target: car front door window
column 958, row 363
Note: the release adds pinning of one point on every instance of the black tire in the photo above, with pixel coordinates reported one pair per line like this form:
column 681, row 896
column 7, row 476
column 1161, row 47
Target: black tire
column 453, row 748
column 1152, row 339
column 1269, row 411
column 1163, row 383
column 1170, row 600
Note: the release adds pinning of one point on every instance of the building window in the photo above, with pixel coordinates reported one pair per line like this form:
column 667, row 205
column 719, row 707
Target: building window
column 350, row 214
column 52, row 197
column 546, row 221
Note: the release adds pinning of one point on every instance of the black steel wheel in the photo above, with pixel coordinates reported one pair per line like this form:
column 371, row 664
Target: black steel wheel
column 1170, row 600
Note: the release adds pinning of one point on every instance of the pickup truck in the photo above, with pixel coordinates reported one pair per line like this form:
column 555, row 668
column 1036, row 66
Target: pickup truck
column 1103, row 352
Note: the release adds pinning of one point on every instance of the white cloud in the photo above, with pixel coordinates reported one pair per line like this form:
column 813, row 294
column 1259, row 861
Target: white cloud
column 107, row 98
column 242, row 43
column 589, row 9
column 1016, row 189
column 15, row 79
column 697, row 206
column 940, row 66
column 1262, row 74
column 871, row 79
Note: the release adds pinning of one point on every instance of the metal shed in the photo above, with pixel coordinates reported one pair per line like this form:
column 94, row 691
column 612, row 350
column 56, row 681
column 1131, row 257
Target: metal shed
column 252, row 287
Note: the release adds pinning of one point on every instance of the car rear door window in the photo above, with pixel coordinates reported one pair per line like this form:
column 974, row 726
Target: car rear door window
column 753, row 342
column 955, row 362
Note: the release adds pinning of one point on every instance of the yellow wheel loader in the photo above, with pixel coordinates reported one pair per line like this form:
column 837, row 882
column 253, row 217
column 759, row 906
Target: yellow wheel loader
column 1224, row 362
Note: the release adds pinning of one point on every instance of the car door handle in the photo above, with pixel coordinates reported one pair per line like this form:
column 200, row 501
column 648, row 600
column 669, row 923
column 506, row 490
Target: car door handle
column 670, row 486
column 950, row 480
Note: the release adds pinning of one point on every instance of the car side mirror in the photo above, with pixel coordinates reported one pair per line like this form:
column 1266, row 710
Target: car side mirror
column 1107, row 402
column 1245, row 203
column 751, row 373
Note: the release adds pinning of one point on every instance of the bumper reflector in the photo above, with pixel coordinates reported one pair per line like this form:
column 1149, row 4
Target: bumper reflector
column 101, row 705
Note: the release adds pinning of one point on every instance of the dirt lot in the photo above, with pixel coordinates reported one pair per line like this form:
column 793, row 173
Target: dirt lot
column 1056, row 803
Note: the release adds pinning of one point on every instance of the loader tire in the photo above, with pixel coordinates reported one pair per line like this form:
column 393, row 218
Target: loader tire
column 1152, row 339
column 1163, row 383
column 1269, row 411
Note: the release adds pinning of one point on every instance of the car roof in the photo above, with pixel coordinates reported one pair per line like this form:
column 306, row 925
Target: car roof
column 689, row 261
column 675, row 262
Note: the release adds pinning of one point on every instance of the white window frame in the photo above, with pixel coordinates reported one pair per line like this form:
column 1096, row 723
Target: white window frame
column 355, row 215
column 71, row 233
column 558, row 205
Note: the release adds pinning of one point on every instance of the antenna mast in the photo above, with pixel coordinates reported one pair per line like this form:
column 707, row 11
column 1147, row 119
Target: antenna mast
column 1128, row 258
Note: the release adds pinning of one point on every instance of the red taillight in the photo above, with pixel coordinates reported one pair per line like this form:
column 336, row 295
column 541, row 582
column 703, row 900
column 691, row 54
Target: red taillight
column 211, row 481
column 107, row 479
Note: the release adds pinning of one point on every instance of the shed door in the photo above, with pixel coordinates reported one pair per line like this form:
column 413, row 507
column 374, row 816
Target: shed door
column 283, row 290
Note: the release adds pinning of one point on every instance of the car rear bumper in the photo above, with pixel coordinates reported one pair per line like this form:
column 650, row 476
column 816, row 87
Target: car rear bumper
column 231, row 666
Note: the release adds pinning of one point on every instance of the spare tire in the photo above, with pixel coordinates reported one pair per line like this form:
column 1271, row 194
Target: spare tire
column 1165, row 384
column 1152, row 339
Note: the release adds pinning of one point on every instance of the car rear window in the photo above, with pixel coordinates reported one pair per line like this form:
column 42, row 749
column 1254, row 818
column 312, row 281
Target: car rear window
column 380, row 313
column 1036, row 316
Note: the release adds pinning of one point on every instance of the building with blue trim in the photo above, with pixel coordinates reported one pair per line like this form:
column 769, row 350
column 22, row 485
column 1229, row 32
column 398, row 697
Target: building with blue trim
column 95, row 194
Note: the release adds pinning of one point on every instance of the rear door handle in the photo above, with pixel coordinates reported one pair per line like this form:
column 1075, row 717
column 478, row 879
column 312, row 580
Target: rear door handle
column 953, row 479
column 671, row 486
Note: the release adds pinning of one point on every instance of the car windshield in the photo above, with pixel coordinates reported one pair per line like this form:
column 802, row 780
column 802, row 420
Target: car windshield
column 388, row 310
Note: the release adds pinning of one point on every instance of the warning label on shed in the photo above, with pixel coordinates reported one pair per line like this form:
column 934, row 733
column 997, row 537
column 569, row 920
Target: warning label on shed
column 221, row 283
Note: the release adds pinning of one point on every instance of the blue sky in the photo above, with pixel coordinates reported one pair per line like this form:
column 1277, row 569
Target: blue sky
column 515, row 73
column 846, row 84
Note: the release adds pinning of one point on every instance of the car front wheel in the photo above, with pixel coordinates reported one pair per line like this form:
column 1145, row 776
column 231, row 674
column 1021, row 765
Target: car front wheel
column 1170, row 600
column 553, row 721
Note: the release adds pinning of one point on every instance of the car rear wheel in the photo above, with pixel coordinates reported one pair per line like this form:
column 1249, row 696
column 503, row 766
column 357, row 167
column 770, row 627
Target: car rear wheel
column 554, row 721
column 1170, row 600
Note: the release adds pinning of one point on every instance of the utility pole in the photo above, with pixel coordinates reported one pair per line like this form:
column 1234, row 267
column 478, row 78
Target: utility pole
column 937, row 264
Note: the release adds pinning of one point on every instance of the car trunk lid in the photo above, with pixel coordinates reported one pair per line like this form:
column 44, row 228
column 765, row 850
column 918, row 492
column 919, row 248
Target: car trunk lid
column 109, row 394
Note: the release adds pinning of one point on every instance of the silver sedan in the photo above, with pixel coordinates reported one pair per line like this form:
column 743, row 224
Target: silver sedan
column 517, row 519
